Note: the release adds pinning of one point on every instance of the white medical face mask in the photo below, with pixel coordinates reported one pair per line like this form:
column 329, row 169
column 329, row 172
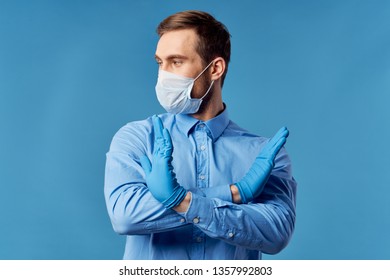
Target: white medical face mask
column 174, row 92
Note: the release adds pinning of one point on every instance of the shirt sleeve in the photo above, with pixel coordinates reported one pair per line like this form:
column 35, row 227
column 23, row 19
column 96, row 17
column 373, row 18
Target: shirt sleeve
column 131, row 207
column 266, row 224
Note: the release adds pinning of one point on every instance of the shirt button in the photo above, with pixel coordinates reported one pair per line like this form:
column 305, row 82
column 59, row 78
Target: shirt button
column 196, row 220
column 182, row 220
column 199, row 239
column 231, row 234
column 201, row 125
column 202, row 177
column 203, row 147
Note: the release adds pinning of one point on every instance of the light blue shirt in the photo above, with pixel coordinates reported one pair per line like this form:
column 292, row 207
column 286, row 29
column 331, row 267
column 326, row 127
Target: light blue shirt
column 208, row 157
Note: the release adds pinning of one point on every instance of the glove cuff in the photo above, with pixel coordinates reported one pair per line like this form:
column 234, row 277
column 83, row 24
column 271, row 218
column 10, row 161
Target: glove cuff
column 245, row 193
column 176, row 198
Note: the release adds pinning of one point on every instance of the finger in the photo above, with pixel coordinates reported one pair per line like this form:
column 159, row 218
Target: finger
column 274, row 145
column 157, row 127
column 278, row 146
column 146, row 165
column 167, row 139
column 282, row 133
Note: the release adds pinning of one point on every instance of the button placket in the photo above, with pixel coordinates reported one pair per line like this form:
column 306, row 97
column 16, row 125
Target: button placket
column 201, row 139
column 201, row 143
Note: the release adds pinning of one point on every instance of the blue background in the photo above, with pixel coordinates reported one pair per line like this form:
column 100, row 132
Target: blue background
column 73, row 72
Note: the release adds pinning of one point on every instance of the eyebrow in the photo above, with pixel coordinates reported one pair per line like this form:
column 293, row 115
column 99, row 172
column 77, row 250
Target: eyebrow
column 170, row 57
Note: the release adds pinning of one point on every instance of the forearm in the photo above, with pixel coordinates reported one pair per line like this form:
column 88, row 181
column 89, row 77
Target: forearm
column 266, row 226
column 256, row 227
column 133, row 210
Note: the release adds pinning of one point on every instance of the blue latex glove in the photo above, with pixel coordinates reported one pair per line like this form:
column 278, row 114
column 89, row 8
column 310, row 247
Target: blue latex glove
column 160, row 178
column 255, row 179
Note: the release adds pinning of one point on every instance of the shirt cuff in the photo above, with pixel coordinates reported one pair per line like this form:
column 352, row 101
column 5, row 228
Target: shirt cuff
column 199, row 210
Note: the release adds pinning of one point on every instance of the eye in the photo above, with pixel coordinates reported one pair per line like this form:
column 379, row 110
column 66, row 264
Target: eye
column 177, row 62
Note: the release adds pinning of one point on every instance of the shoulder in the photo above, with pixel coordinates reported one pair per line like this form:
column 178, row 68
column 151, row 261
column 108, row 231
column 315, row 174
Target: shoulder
column 136, row 134
column 133, row 129
column 132, row 135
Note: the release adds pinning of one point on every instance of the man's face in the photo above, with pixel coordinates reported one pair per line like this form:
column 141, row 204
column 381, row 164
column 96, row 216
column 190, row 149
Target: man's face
column 176, row 53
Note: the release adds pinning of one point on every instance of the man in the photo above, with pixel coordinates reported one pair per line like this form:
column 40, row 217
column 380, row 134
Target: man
column 191, row 184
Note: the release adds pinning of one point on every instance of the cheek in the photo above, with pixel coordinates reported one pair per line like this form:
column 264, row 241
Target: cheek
column 200, row 87
column 180, row 70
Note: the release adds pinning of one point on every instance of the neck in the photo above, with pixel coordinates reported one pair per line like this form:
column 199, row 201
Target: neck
column 212, row 108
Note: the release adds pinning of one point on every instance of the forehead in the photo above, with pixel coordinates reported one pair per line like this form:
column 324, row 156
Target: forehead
column 177, row 42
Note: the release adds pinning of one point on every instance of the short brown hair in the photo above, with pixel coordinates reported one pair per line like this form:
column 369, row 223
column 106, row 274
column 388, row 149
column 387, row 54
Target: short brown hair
column 214, row 37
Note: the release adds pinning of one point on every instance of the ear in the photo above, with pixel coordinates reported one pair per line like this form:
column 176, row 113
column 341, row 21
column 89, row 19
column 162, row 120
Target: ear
column 217, row 68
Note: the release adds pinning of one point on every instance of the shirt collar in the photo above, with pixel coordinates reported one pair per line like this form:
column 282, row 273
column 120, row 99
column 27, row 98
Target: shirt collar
column 216, row 125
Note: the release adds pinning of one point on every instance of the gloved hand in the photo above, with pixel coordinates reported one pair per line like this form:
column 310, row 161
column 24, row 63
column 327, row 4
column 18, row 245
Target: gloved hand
column 160, row 177
column 255, row 179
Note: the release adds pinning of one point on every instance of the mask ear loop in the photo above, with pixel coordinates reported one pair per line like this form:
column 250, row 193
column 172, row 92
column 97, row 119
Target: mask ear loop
column 207, row 92
column 212, row 82
column 203, row 71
